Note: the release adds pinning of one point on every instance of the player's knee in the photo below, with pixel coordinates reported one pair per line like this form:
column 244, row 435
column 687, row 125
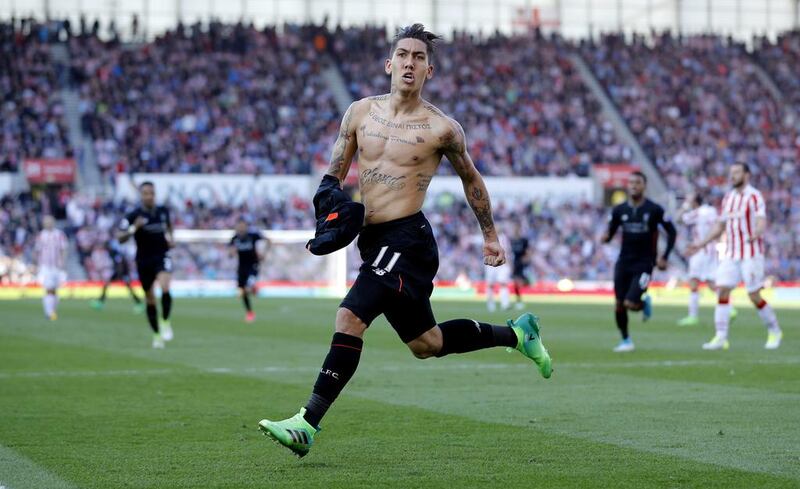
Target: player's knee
column 755, row 297
column 423, row 349
column 633, row 306
column 348, row 323
column 723, row 293
column 426, row 345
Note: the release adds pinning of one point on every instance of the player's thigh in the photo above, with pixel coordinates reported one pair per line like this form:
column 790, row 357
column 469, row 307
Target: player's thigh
column 367, row 298
column 697, row 266
column 640, row 281
column 622, row 282
column 147, row 276
column 728, row 274
column 410, row 317
column 753, row 274
column 503, row 274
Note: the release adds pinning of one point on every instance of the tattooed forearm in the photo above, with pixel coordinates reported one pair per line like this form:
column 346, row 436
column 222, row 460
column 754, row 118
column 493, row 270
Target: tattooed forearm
column 453, row 145
column 478, row 199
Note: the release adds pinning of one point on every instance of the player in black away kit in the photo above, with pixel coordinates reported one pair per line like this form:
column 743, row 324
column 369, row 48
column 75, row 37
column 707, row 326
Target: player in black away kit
column 150, row 226
column 119, row 271
column 519, row 249
column 245, row 243
column 640, row 219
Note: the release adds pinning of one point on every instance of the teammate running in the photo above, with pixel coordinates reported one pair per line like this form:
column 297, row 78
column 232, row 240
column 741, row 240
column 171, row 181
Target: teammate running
column 51, row 250
column 640, row 219
column 401, row 139
column 151, row 228
column 519, row 251
column 743, row 219
column 120, row 270
column 245, row 244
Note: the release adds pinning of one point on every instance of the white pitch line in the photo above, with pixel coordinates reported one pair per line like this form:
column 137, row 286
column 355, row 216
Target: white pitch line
column 272, row 369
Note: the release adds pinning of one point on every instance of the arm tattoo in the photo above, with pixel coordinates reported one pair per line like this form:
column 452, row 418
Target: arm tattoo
column 453, row 145
column 337, row 163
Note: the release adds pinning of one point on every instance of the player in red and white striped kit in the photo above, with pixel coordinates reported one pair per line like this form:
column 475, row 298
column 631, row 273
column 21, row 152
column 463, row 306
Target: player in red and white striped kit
column 743, row 220
column 51, row 255
column 702, row 217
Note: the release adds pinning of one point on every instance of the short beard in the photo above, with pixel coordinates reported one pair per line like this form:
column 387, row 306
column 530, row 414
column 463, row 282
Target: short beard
column 739, row 185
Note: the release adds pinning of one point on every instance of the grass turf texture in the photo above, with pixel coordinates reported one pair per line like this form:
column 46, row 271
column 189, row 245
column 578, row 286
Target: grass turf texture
column 85, row 402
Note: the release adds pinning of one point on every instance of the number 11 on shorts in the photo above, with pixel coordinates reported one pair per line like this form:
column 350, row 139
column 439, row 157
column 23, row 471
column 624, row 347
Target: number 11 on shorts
column 391, row 263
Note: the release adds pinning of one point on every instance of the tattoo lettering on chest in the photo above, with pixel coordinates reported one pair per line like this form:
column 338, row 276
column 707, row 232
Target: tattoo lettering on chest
column 413, row 126
column 423, row 181
column 373, row 176
column 392, row 138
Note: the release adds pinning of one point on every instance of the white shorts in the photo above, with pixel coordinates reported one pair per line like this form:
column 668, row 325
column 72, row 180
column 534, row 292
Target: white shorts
column 501, row 274
column 50, row 277
column 750, row 271
column 703, row 266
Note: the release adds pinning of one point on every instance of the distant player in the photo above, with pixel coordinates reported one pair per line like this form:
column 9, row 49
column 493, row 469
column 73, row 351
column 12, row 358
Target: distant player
column 51, row 252
column 743, row 219
column 119, row 270
column 640, row 219
column 520, row 251
column 245, row 244
column 151, row 228
column 500, row 276
column 703, row 264
column 401, row 139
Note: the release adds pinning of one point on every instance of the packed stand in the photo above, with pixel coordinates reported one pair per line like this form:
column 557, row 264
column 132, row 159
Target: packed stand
column 31, row 114
column 696, row 106
column 781, row 59
column 219, row 98
column 522, row 104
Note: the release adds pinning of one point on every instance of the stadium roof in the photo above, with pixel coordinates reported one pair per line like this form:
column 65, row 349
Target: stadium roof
column 574, row 18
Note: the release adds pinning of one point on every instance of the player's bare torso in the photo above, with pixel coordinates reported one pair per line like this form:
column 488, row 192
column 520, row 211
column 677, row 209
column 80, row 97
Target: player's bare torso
column 398, row 155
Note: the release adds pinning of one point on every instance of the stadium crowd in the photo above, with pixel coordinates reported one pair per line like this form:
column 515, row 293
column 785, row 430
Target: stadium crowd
column 696, row 105
column 222, row 98
column 230, row 98
column 523, row 105
column 31, row 112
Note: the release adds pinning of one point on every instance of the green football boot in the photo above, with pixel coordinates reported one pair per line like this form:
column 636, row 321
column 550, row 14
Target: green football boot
column 96, row 304
column 689, row 321
column 529, row 342
column 294, row 433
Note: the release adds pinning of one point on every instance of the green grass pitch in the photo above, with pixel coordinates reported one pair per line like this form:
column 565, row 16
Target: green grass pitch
column 85, row 402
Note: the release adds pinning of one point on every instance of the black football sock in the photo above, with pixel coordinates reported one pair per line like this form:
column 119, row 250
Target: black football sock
column 337, row 369
column 103, row 294
column 133, row 294
column 621, row 315
column 166, row 305
column 464, row 335
column 152, row 317
column 246, row 300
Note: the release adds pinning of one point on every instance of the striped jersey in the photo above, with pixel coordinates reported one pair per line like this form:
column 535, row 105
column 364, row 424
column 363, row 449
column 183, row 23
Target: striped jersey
column 703, row 219
column 738, row 212
column 50, row 246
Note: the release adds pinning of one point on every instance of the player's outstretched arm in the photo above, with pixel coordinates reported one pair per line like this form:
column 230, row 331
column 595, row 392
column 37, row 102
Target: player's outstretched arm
column 454, row 147
column 345, row 146
column 672, row 235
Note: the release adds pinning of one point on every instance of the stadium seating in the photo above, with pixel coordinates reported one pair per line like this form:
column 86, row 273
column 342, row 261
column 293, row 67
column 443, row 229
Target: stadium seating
column 227, row 99
column 31, row 122
column 523, row 106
